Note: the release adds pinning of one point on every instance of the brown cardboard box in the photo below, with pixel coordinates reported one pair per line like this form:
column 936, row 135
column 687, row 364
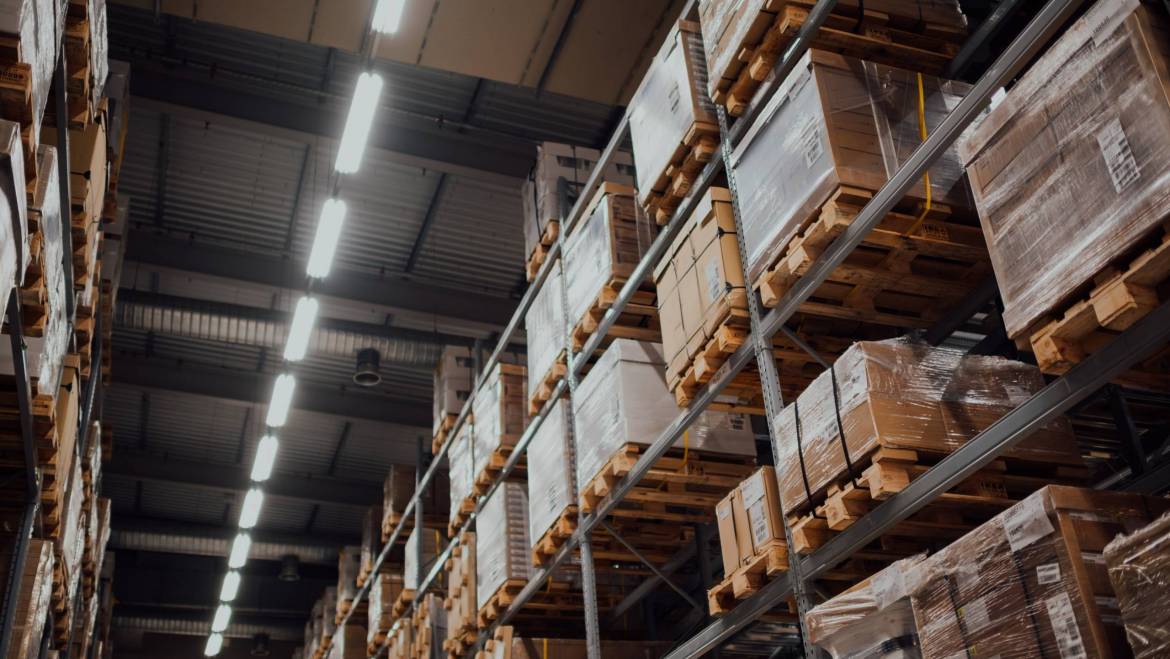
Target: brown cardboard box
column 761, row 500
column 692, row 310
column 720, row 280
column 727, row 536
column 743, row 527
column 507, row 645
column 1139, row 570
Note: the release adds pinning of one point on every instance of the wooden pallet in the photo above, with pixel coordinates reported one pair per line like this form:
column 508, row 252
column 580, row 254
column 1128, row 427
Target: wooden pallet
column 699, row 146
column 749, row 578
column 555, row 537
column 638, row 320
column 465, row 508
column 495, row 465
column 682, row 487
column 343, row 608
column 907, row 42
column 894, row 277
column 544, row 390
column 548, row 237
column 16, row 101
column 949, row 516
column 441, row 436
column 555, row 598
column 1120, row 295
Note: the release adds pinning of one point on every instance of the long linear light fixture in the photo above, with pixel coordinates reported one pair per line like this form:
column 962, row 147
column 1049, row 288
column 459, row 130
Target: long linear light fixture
column 359, row 122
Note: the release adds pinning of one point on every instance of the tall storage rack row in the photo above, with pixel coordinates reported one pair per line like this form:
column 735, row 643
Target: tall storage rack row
column 1057, row 397
column 86, row 102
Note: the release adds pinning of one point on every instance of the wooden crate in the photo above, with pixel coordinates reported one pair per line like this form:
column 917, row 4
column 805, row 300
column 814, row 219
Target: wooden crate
column 744, row 41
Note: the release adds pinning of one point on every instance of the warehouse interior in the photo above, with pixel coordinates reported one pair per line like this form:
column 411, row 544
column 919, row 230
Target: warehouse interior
column 229, row 432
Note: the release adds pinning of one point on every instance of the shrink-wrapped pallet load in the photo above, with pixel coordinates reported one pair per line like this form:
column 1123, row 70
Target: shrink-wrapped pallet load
column 872, row 619
column 33, row 588
column 415, row 571
column 349, row 643
column 540, row 192
column 673, row 126
column 1139, row 569
column 453, row 380
column 552, row 491
column 328, row 607
column 624, row 400
column 832, row 135
column 545, row 331
column 14, row 234
column 1031, row 582
column 461, row 605
column 1070, row 176
column 35, row 26
column 460, row 475
column 508, row 645
column 385, row 589
column 499, row 417
column 502, row 549
column 349, row 563
column 898, row 395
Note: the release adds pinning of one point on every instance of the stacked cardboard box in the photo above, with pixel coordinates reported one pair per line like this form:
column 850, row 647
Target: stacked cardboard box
column 349, row 643
column 453, row 380
column 552, row 491
column 1139, row 569
column 460, row 478
column 871, row 619
column 349, row 564
column 461, row 604
column 499, row 417
column 749, row 520
column 1067, row 173
column 385, row 589
column 33, row 587
column 397, row 490
column 429, row 624
column 414, row 572
column 545, row 332
column 371, row 542
column 36, row 27
column 673, row 125
column 15, row 249
column 540, row 192
column 502, row 548
column 507, row 645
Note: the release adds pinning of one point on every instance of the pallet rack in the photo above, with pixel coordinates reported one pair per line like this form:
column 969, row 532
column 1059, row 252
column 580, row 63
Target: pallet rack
column 90, row 402
column 1056, row 398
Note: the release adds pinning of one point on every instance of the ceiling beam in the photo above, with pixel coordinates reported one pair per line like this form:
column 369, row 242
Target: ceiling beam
column 274, row 271
column 154, row 534
column 251, row 388
column 233, row 478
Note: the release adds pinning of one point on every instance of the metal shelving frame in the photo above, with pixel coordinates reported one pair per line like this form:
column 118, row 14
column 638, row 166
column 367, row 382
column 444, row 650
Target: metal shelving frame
column 1056, row 398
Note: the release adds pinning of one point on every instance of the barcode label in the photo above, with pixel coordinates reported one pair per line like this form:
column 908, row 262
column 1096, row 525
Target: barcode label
column 1119, row 160
column 722, row 510
column 1026, row 522
column 810, row 142
column 714, row 281
column 753, row 489
column 1048, row 574
column 672, row 98
column 1064, row 626
column 758, row 516
column 975, row 615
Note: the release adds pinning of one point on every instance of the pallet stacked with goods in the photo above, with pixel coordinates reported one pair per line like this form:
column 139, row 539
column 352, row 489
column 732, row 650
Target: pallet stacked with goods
column 844, row 322
column 60, row 108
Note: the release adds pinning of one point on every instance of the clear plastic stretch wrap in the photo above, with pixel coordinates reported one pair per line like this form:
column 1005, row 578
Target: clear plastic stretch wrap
column 606, row 246
column 349, row 643
column 499, row 413
column 805, row 145
column 385, row 588
column 459, row 457
column 733, row 26
column 14, row 245
column 1139, row 569
column 904, row 395
column 432, row 544
column 73, row 533
column 502, row 549
column 349, row 563
column 545, row 329
column 1031, row 582
column 672, row 97
column 574, row 164
column 1072, row 168
column 551, row 485
column 453, row 379
column 34, row 588
column 328, row 609
column 873, row 619
column 99, row 47
column 624, row 400
column 34, row 23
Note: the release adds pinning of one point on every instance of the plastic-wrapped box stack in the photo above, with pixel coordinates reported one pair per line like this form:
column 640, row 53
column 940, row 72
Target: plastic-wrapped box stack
column 313, row 629
column 349, row 563
column 462, row 627
column 671, row 113
column 745, row 38
column 1139, row 569
column 385, row 589
column 507, row 645
column 540, row 192
column 602, row 250
column 453, row 380
column 624, row 400
column 86, row 48
column 32, row 593
column 460, row 477
column 552, row 490
column 545, row 330
column 499, row 417
column 328, row 609
column 371, row 537
column 1069, row 173
column 872, row 619
column 837, row 124
column 898, row 394
column 14, row 234
column 35, row 23
column 432, row 544
column 502, row 550
column 1031, row 582
column 349, row 643
column 430, row 627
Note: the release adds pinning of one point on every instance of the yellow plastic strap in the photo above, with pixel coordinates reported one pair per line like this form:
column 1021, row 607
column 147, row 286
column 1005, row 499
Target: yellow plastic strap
column 686, row 444
column 545, row 649
column 925, row 177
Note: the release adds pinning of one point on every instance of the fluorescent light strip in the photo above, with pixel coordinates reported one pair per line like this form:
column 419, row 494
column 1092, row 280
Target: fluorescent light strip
column 265, row 458
column 239, row 553
column 250, row 512
column 223, row 615
column 282, row 393
column 231, row 586
column 325, row 241
column 303, row 320
column 388, row 16
column 214, row 645
column 359, row 122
